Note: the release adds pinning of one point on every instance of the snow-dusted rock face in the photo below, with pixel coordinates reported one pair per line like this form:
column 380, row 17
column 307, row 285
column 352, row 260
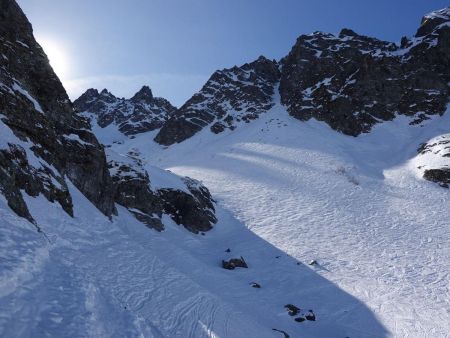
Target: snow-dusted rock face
column 352, row 82
column 349, row 81
column 230, row 96
column 41, row 140
column 148, row 194
column 140, row 114
column 433, row 160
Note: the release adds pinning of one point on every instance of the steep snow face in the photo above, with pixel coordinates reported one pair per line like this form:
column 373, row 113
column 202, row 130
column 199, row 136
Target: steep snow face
column 141, row 113
column 357, row 206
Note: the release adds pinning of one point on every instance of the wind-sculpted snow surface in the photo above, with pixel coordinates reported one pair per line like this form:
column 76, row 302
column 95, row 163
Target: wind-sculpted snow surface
column 94, row 278
column 359, row 207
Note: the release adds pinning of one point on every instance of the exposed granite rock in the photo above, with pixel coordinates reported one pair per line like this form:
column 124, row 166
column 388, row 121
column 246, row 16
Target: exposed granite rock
column 140, row 114
column 42, row 140
column 230, row 96
column 352, row 82
column 187, row 202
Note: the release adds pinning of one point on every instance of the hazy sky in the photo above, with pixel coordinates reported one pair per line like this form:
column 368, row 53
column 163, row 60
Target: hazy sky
column 175, row 45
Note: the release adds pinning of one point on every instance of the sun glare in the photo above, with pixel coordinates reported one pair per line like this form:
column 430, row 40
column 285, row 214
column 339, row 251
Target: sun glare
column 57, row 57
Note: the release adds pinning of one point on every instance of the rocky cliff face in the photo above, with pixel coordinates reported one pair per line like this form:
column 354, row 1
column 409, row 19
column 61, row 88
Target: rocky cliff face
column 42, row 140
column 349, row 81
column 140, row 114
column 229, row 97
column 352, row 82
column 148, row 194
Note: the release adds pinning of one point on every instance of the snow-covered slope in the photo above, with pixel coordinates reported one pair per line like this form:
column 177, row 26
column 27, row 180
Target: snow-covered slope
column 288, row 194
column 93, row 278
column 358, row 206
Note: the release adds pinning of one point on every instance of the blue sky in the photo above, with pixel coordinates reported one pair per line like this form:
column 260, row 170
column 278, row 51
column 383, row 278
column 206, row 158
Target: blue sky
column 175, row 45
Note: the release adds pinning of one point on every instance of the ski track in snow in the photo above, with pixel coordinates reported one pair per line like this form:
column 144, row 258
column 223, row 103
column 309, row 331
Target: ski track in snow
column 356, row 205
column 287, row 192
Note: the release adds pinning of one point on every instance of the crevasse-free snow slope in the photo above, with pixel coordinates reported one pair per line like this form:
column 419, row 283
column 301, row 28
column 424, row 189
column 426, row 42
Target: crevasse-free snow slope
column 358, row 206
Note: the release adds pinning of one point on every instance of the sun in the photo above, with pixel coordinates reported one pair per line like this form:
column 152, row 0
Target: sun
column 56, row 55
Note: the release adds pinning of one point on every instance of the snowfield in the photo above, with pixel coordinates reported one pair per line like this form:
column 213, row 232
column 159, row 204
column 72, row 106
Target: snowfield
column 287, row 193
column 356, row 205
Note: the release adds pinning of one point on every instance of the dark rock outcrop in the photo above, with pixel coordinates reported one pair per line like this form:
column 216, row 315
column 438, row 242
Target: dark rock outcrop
column 441, row 176
column 299, row 314
column 43, row 141
column 189, row 203
column 234, row 263
column 433, row 160
column 133, row 191
column 352, row 82
column 194, row 210
column 292, row 309
column 229, row 96
column 140, row 114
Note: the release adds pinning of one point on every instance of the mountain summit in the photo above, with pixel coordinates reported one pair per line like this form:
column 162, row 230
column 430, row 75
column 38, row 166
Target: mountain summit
column 140, row 114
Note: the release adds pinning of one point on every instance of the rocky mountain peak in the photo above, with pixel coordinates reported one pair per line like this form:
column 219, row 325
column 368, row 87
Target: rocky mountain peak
column 434, row 20
column 352, row 82
column 347, row 32
column 144, row 94
column 230, row 97
column 141, row 113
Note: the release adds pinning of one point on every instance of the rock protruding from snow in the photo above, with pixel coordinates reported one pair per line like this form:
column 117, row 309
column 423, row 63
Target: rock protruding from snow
column 148, row 194
column 234, row 263
column 433, row 161
column 352, row 82
column 41, row 139
column 140, row 114
column 229, row 97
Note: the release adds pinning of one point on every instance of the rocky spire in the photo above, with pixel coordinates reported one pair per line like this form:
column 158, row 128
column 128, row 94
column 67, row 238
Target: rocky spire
column 144, row 94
